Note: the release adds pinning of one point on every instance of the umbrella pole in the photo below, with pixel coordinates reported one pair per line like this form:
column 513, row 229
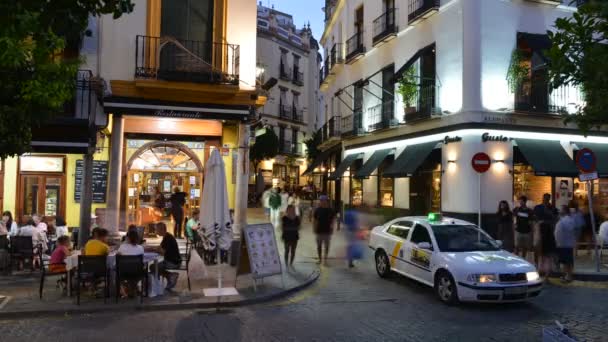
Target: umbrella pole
column 219, row 268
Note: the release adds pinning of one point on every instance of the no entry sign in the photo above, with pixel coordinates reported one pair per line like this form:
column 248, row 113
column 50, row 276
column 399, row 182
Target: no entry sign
column 481, row 162
column 586, row 161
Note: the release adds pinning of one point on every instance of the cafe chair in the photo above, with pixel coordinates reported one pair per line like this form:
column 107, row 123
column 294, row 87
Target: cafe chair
column 22, row 249
column 45, row 272
column 186, row 261
column 92, row 269
column 131, row 268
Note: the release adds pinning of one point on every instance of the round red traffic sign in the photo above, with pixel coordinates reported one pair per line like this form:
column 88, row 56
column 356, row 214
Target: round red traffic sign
column 586, row 161
column 481, row 162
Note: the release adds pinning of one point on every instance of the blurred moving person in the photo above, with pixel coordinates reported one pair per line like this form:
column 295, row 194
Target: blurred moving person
column 291, row 234
column 324, row 218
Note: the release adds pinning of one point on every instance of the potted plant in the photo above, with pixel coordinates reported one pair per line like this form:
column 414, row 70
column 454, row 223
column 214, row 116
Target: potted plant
column 408, row 89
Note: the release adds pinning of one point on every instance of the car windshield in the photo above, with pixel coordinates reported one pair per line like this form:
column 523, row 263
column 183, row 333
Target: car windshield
column 463, row 238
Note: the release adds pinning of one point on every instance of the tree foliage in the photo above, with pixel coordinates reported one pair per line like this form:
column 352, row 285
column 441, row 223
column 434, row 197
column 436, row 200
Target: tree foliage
column 266, row 147
column 578, row 58
column 312, row 145
column 36, row 78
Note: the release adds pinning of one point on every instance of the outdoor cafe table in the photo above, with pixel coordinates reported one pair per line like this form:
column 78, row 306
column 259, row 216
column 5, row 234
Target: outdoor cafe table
column 71, row 263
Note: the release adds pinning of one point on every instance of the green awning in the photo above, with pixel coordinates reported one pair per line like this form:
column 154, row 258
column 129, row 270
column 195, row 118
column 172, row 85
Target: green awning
column 373, row 162
column 601, row 154
column 348, row 161
column 548, row 158
column 319, row 159
column 410, row 160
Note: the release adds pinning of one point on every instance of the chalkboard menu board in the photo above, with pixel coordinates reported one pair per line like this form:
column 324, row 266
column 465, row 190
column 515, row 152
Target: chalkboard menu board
column 100, row 180
column 262, row 250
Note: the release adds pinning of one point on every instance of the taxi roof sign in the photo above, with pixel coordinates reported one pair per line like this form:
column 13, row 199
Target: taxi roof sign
column 434, row 217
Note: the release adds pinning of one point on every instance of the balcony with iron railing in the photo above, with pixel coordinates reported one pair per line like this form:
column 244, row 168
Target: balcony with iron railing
column 336, row 55
column 297, row 114
column 332, row 129
column 352, row 125
column 538, row 97
column 422, row 99
column 298, row 76
column 77, row 122
column 284, row 72
column 285, row 111
column 285, row 146
column 171, row 59
column 355, row 48
column 381, row 116
column 385, row 27
column 418, row 10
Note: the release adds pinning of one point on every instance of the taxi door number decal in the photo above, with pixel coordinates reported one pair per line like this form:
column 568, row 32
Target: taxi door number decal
column 420, row 257
column 396, row 250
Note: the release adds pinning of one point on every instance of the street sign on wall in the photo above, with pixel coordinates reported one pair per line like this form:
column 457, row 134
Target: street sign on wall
column 481, row 162
column 586, row 161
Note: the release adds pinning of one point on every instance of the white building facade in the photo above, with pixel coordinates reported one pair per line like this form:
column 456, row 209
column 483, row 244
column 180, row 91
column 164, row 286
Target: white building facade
column 289, row 56
column 415, row 88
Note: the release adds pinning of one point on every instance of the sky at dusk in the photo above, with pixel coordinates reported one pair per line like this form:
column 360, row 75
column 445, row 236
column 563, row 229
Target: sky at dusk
column 303, row 11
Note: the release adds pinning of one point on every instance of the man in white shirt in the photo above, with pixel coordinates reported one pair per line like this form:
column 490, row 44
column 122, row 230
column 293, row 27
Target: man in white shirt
column 565, row 241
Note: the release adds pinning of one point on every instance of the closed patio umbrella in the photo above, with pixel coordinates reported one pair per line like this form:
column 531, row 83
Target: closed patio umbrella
column 215, row 213
column 215, row 216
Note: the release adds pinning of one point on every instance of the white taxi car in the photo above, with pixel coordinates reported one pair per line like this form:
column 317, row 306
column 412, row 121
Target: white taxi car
column 455, row 257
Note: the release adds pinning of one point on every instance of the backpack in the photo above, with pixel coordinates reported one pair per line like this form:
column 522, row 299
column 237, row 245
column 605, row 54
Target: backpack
column 274, row 201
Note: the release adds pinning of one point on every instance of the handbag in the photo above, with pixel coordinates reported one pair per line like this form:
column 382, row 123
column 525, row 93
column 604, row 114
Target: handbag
column 196, row 267
column 156, row 286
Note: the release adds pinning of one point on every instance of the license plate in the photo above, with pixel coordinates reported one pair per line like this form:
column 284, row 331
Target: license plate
column 516, row 290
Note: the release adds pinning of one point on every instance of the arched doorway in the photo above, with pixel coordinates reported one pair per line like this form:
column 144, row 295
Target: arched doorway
column 159, row 167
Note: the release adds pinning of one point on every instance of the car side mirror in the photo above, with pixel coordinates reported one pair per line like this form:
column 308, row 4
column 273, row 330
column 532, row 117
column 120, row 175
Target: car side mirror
column 425, row 245
column 499, row 243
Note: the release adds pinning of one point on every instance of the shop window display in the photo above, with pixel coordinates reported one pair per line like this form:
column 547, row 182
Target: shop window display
column 525, row 182
column 386, row 186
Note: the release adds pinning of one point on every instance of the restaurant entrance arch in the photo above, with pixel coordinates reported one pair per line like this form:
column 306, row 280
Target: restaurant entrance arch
column 154, row 170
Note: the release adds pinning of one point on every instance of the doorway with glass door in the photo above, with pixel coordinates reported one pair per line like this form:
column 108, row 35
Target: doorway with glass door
column 155, row 170
column 41, row 194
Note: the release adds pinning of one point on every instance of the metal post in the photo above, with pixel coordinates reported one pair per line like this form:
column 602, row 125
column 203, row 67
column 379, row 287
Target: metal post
column 593, row 228
column 86, row 198
column 479, row 213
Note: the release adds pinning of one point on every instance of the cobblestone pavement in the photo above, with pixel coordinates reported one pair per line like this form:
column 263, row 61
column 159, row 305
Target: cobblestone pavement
column 344, row 305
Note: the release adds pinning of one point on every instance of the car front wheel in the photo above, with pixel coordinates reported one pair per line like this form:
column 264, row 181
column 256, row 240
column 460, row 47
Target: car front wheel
column 445, row 288
column 383, row 266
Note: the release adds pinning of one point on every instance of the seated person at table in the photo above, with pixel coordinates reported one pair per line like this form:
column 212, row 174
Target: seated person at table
column 128, row 288
column 39, row 240
column 62, row 251
column 192, row 227
column 172, row 259
column 97, row 246
column 131, row 246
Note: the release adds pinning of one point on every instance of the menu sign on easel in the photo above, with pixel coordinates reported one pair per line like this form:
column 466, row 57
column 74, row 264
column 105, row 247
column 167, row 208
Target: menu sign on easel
column 100, row 180
column 262, row 250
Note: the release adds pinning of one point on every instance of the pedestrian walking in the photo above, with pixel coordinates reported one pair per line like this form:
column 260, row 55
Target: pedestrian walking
column 291, row 234
column 355, row 235
column 565, row 240
column 274, row 202
column 546, row 248
column 284, row 200
column 178, row 200
column 543, row 213
column 523, row 227
column 265, row 204
column 294, row 199
column 504, row 231
column 324, row 218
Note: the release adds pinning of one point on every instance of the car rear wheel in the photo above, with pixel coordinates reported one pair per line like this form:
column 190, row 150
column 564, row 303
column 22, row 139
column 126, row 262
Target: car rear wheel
column 445, row 288
column 383, row 266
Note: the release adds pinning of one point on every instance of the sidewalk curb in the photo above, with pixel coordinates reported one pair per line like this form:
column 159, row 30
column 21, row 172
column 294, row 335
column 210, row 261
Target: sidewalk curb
column 588, row 276
column 10, row 315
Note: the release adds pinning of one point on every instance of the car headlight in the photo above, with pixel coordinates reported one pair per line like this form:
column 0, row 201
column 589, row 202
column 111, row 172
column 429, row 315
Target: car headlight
column 482, row 278
column 532, row 276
